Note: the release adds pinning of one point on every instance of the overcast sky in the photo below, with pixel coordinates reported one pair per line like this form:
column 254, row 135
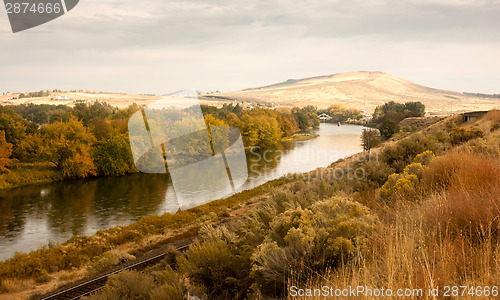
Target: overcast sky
column 160, row 46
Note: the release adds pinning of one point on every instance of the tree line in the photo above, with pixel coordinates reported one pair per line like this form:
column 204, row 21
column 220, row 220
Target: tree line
column 387, row 116
column 341, row 113
column 92, row 139
column 386, row 119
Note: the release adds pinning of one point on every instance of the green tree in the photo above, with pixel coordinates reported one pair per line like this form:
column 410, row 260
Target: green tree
column 113, row 157
column 398, row 111
column 417, row 109
column 388, row 128
column 307, row 117
column 88, row 114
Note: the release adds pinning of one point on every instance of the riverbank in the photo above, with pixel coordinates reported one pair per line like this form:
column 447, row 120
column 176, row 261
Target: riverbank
column 22, row 174
column 300, row 137
column 83, row 256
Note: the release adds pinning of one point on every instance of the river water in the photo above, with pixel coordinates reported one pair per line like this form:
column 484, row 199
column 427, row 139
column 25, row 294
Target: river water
column 35, row 215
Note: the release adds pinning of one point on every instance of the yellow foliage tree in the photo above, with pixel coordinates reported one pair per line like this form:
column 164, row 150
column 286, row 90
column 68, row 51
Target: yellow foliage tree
column 5, row 153
column 68, row 146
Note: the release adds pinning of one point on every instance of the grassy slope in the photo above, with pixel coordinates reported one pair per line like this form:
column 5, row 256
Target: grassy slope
column 446, row 236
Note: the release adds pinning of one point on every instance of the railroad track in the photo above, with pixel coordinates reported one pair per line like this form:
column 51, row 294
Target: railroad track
column 96, row 284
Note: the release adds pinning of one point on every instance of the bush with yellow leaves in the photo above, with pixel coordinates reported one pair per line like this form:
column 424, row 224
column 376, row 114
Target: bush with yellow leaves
column 404, row 185
column 324, row 235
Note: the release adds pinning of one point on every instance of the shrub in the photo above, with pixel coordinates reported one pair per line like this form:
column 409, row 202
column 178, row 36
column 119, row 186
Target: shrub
column 214, row 263
column 127, row 285
column 303, row 240
column 256, row 225
column 124, row 236
column 424, row 158
column 494, row 127
column 108, row 260
column 170, row 285
column 403, row 153
column 376, row 172
column 486, row 146
column 399, row 186
column 461, row 135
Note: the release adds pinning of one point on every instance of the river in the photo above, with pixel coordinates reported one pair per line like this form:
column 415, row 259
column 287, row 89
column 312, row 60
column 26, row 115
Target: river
column 35, row 215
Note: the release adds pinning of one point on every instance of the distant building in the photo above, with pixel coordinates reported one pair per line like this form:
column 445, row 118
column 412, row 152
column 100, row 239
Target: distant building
column 474, row 115
column 324, row 117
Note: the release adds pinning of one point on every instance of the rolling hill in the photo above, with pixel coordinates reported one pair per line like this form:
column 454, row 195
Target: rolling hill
column 361, row 90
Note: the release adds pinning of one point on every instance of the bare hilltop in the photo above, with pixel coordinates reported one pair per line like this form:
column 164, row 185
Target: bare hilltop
column 361, row 90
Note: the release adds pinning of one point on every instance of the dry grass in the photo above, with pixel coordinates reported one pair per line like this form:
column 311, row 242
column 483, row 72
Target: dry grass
column 450, row 237
column 16, row 285
column 462, row 170
column 406, row 255
column 492, row 116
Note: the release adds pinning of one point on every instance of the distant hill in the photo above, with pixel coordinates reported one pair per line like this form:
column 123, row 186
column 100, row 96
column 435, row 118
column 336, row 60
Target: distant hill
column 362, row 90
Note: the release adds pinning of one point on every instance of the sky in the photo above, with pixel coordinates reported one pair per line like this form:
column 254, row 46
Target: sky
column 161, row 46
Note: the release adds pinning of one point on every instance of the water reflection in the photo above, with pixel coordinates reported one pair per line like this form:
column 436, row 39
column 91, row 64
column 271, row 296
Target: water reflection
column 37, row 214
column 34, row 215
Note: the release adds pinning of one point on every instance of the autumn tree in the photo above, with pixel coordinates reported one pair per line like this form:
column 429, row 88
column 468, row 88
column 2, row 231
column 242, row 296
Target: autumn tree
column 288, row 123
column 68, row 146
column 31, row 149
column 259, row 127
column 16, row 128
column 5, row 153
